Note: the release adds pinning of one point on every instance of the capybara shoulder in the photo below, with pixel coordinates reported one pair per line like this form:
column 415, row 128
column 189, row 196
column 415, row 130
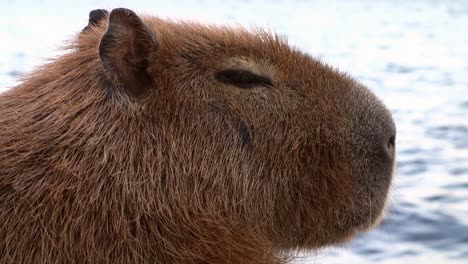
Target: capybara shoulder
column 151, row 141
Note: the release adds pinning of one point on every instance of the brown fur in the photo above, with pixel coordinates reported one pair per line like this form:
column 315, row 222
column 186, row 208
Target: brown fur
column 191, row 170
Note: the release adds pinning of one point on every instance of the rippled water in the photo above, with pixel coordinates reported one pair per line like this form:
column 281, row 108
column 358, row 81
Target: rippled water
column 412, row 54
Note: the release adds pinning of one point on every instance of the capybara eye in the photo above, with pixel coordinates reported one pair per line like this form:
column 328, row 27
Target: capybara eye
column 243, row 78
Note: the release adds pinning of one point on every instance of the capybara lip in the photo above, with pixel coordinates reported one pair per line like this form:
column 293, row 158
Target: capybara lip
column 153, row 141
column 374, row 221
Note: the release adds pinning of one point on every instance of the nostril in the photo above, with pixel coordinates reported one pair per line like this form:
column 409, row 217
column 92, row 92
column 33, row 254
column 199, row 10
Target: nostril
column 391, row 142
column 391, row 146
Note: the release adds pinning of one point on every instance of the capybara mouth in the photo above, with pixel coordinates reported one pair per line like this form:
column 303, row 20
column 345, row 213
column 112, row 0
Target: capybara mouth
column 374, row 197
column 369, row 215
column 376, row 214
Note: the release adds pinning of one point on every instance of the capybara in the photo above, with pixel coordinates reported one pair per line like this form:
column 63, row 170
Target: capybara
column 151, row 141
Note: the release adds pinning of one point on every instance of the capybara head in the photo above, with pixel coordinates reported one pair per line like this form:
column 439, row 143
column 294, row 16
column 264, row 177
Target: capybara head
column 170, row 142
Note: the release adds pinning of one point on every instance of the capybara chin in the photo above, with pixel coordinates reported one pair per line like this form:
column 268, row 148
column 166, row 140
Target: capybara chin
column 152, row 141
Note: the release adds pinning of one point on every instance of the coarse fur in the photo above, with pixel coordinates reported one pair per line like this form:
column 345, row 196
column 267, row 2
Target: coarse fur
column 102, row 161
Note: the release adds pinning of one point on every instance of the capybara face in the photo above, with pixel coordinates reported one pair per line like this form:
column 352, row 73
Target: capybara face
column 155, row 140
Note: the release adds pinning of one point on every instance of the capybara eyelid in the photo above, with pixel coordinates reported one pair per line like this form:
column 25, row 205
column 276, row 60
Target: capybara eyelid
column 243, row 78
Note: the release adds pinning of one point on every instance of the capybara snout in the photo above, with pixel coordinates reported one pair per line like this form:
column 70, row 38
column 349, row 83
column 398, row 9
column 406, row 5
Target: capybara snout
column 371, row 146
column 152, row 141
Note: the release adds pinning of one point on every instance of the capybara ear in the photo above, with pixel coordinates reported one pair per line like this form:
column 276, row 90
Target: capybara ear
column 126, row 50
column 96, row 16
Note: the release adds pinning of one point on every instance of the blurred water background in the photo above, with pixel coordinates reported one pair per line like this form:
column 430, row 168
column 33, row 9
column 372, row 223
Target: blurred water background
column 412, row 54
